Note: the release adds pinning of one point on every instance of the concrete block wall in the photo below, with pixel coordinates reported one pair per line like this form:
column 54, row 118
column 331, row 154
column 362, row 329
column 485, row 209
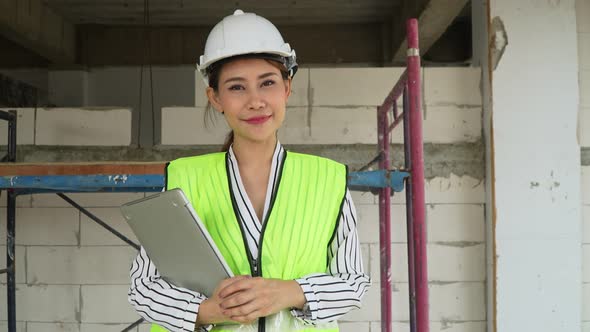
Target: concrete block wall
column 583, row 22
column 63, row 255
column 586, row 248
column 72, row 275
column 99, row 126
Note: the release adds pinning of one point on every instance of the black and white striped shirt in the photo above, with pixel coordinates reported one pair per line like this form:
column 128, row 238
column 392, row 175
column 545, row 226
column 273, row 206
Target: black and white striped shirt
column 330, row 295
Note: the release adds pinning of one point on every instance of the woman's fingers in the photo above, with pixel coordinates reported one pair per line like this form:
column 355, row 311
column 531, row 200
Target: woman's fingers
column 248, row 299
column 243, row 309
column 237, row 299
column 238, row 286
column 248, row 318
column 229, row 281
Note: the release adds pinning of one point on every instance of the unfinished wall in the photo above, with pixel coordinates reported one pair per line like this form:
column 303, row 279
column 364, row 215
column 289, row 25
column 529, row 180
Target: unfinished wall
column 120, row 86
column 536, row 167
column 73, row 276
column 583, row 19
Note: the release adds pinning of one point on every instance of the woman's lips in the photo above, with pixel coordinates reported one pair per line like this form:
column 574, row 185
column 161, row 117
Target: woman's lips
column 258, row 119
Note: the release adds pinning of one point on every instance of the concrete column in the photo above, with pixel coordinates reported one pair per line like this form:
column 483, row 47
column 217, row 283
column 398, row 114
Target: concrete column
column 533, row 160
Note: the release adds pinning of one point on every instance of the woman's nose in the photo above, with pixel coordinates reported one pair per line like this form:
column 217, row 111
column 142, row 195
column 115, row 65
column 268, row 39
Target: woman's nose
column 256, row 101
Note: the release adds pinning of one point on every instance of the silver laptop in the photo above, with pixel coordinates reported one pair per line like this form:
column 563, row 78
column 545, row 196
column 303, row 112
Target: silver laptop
column 176, row 240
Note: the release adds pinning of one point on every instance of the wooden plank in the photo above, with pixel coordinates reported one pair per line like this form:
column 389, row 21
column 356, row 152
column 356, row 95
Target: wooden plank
column 108, row 168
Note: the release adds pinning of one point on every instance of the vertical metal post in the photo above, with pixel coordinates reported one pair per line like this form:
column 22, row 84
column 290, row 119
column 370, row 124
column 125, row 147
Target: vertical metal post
column 384, row 222
column 10, row 261
column 10, row 230
column 417, row 177
column 12, row 137
column 409, row 215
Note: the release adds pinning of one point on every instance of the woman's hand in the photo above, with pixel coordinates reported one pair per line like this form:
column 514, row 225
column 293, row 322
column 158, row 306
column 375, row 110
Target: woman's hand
column 209, row 311
column 247, row 299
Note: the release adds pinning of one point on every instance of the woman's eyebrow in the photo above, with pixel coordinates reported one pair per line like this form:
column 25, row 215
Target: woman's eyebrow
column 267, row 75
column 241, row 79
column 232, row 79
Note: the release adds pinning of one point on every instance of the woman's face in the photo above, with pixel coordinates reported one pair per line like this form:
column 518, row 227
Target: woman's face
column 253, row 97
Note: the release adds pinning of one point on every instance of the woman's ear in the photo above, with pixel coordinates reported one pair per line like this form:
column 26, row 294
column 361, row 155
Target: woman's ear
column 214, row 99
column 288, row 87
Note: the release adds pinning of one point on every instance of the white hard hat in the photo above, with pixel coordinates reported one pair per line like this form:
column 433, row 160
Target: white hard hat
column 245, row 33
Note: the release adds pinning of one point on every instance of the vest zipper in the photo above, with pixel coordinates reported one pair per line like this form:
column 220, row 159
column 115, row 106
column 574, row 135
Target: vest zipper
column 262, row 320
column 255, row 264
column 258, row 266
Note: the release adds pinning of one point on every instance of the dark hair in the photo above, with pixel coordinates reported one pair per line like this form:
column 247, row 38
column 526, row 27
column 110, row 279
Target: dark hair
column 214, row 71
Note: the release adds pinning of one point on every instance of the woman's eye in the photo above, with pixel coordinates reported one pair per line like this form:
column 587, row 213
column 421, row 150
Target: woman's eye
column 236, row 87
column 268, row 83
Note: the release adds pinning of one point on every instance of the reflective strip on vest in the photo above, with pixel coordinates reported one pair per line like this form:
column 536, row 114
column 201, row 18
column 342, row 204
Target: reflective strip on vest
column 299, row 226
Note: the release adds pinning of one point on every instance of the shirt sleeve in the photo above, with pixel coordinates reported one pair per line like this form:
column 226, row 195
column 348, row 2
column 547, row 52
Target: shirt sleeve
column 332, row 294
column 160, row 302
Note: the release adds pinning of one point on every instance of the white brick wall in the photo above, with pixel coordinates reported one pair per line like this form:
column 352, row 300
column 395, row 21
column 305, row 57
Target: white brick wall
column 449, row 302
column 452, row 86
column 25, row 127
column 174, row 119
column 92, row 234
column 351, row 86
column 71, row 126
column 45, row 226
column 110, row 327
column 586, row 247
column 20, row 326
column 437, row 327
column 69, row 327
column 584, row 88
column 72, row 275
column 584, row 49
column 456, row 253
column 101, row 126
column 53, row 327
column 106, row 304
column 79, row 265
column 45, row 303
column 583, row 12
column 88, row 200
column 583, row 21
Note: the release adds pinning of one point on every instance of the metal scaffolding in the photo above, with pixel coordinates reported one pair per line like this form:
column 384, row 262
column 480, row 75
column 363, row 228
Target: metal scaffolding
column 21, row 179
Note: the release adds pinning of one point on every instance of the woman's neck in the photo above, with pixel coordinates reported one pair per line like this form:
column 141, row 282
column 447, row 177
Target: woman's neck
column 254, row 154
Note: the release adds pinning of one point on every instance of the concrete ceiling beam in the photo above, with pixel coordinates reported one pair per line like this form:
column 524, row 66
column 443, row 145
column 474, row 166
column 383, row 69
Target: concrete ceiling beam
column 315, row 44
column 434, row 17
column 39, row 29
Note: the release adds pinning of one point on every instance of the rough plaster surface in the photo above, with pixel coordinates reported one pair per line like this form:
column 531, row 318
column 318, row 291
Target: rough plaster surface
column 440, row 159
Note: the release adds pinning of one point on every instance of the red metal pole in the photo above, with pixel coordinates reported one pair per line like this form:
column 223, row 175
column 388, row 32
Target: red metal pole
column 409, row 215
column 384, row 222
column 417, row 177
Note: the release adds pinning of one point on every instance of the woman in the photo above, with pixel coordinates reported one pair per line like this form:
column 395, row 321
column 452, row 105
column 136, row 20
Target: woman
column 284, row 222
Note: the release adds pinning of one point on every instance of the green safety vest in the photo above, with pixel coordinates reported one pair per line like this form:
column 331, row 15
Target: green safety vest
column 299, row 226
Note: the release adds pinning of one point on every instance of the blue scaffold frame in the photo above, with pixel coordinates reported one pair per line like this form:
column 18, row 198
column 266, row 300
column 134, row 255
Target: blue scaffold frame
column 35, row 184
